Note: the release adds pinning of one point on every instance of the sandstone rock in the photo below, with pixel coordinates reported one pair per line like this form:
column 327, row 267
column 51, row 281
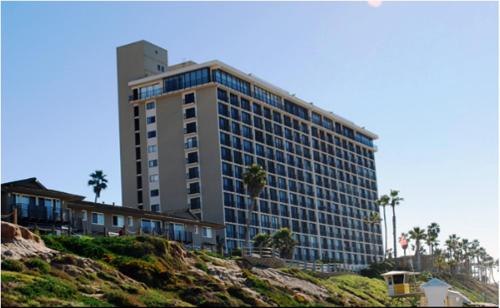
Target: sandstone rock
column 18, row 242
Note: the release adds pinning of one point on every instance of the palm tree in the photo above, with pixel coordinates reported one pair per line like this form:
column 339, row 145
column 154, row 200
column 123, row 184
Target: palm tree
column 439, row 260
column 474, row 252
column 432, row 234
column 395, row 200
column 372, row 219
column 417, row 234
column 284, row 242
column 383, row 202
column 452, row 247
column 98, row 182
column 254, row 179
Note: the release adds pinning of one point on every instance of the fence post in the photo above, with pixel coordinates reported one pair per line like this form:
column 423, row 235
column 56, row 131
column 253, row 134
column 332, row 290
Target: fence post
column 14, row 215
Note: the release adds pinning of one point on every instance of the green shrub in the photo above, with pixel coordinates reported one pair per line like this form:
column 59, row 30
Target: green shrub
column 38, row 264
column 154, row 298
column 194, row 295
column 214, row 254
column 65, row 259
column 54, row 242
column 243, row 295
column 93, row 302
column 377, row 268
column 236, row 252
column 139, row 270
column 108, row 277
column 121, row 299
column 202, row 266
column 12, row 265
column 48, row 287
column 83, row 246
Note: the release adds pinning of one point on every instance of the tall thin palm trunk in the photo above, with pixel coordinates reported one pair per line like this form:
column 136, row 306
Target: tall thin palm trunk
column 249, row 214
column 394, row 230
column 417, row 255
column 385, row 235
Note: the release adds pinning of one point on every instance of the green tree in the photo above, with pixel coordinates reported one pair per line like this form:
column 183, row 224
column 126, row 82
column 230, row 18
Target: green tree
column 432, row 234
column 372, row 219
column 262, row 240
column 284, row 242
column 99, row 182
column 417, row 234
column 452, row 247
column 382, row 202
column 395, row 200
column 254, row 179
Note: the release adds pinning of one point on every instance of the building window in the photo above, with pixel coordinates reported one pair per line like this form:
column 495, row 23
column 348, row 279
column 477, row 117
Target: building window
column 137, row 153
column 97, row 218
column 189, row 98
column 130, row 221
column 154, row 178
column 150, row 105
column 153, row 163
column 118, row 221
column 222, row 95
column 138, row 167
column 152, row 134
column 137, row 139
column 84, row 215
column 152, row 148
column 139, row 196
column 207, row 232
column 139, row 182
column 194, row 188
column 154, row 193
column 155, row 208
column 151, row 119
column 136, row 124
column 192, row 157
column 195, row 203
column 136, row 111
column 190, row 128
column 189, row 113
column 193, row 173
column 191, row 143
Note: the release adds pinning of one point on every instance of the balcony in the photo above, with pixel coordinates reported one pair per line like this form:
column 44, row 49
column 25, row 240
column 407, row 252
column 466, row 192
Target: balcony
column 181, row 236
column 40, row 213
column 145, row 94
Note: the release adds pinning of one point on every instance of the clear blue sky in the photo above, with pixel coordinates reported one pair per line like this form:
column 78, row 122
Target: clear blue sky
column 423, row 76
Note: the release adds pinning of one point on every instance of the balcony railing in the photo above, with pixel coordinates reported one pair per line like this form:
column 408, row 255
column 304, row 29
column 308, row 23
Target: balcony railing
column 41, row 213
column 146, row 94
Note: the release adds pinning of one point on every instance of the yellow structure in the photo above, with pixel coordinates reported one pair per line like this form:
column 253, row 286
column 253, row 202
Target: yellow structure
column 398, row 282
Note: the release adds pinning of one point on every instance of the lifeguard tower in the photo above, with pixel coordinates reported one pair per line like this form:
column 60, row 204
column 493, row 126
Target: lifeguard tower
column 398, row 283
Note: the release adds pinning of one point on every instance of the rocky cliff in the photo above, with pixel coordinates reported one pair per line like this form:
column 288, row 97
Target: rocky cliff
column 151, row 271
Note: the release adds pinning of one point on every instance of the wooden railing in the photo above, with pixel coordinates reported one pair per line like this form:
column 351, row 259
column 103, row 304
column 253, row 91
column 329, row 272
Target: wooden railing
column 261, row 252
column 324, row 267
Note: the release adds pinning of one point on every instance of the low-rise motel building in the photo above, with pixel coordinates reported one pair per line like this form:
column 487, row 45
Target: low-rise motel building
column 29, row 203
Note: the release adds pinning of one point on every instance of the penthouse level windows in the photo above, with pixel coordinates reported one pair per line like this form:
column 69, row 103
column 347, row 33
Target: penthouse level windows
column 186, row 80
column 231, row 81
column 173, row 83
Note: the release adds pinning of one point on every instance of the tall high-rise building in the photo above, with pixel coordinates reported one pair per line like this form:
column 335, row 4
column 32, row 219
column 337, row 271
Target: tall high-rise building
column 188, row 131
